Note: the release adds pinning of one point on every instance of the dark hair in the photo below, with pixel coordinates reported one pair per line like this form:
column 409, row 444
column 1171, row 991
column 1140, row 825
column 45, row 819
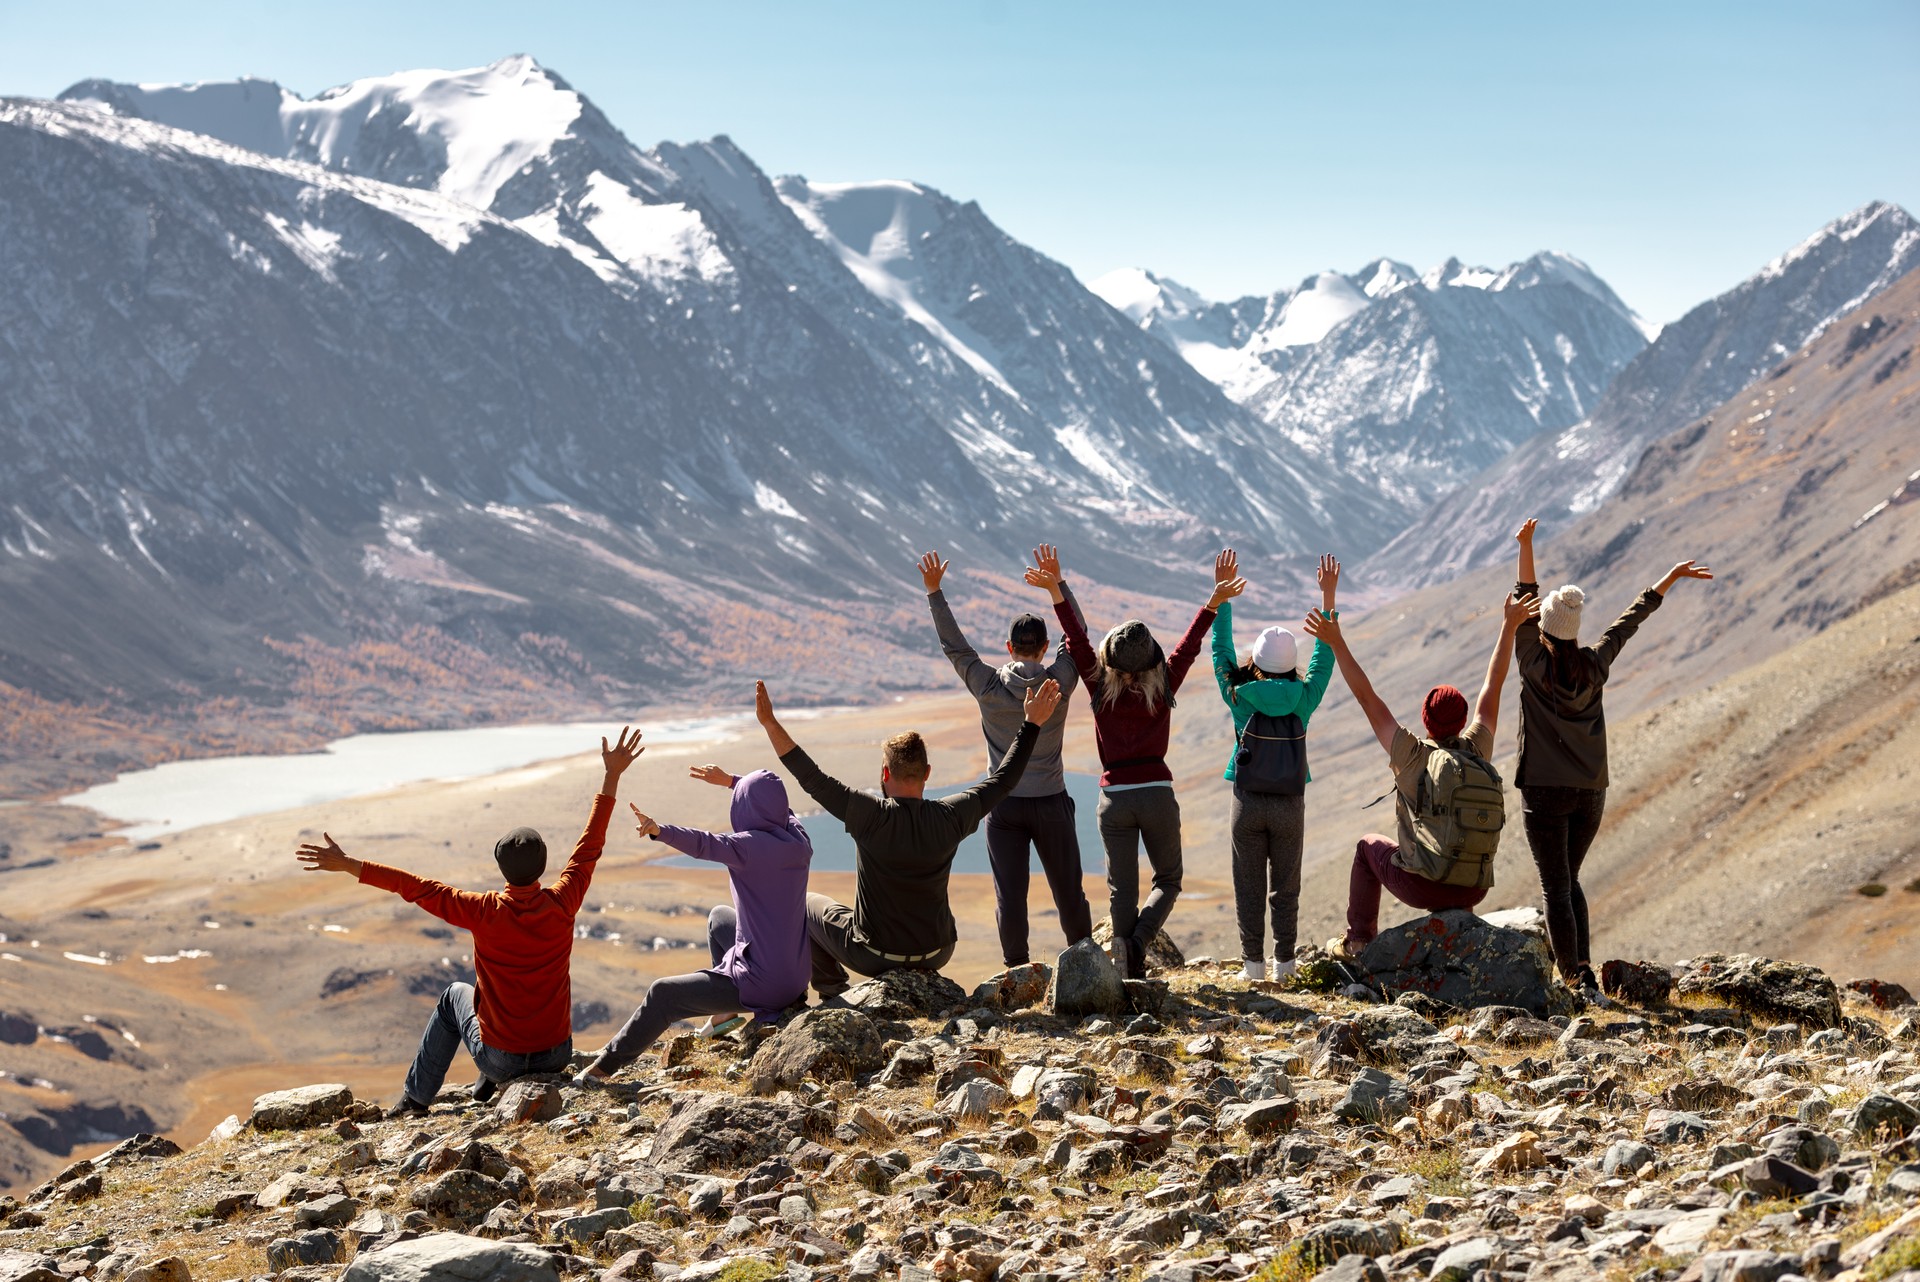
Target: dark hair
column 1241, row 673
column 1027, row 634
column 522, row 856
column 1570, row 666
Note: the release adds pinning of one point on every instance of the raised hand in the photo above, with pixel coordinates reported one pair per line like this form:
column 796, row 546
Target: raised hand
column 762, row 704
column 1684, row 570
column 1226, row 566
column 1518, row 610
column 1047, row 557
column 645, row 825
column 932, row 570
column 327, row 858
column 1321, row 627
column 1525, row 533
column 1041, row 700
column 625, row 751
column 1224, row 592
column 713, row 775
column 1328, row 577
column 1045, row 571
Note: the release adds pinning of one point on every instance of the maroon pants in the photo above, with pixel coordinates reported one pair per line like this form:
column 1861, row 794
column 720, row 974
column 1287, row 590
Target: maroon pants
column 1373, row 867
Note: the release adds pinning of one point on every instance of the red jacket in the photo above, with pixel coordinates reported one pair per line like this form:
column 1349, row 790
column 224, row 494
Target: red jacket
column 522, row 941
column 1127, row 731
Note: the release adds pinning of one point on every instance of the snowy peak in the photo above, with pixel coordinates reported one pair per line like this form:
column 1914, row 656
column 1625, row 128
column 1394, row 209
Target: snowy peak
column 1304, row 316
column 1140, row 296
column 1551, row 267
column 1877, row 215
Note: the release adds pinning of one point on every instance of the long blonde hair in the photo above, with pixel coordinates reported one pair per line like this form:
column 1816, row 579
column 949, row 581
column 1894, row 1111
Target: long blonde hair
column 1152, row 685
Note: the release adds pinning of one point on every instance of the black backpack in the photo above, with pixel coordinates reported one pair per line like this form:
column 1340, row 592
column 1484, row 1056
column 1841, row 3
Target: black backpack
column 1272, row 756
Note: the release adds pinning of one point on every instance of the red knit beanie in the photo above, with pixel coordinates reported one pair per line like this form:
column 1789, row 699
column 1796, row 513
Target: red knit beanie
column 1444, row 712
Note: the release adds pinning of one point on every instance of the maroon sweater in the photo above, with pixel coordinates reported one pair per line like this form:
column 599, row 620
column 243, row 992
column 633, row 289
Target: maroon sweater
column 1125, row 731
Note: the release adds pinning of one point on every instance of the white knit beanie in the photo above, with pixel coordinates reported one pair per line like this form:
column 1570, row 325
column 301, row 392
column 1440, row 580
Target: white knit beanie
column 1560, row 613
column 1276, row 652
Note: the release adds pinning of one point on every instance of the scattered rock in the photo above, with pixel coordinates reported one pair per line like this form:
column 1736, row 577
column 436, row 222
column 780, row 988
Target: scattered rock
column 905, row 994
column 300, row 1108
column 1014, row 989
column 454, row 1257
column 529, row 1100
column 1642, row 983
column 1464, row 1260
column 1322, row 1245
column 1885, row 994
column 1373, row 1097
column 829, row 1045
column 1761, row 986
column 714, row 1131
column 168, row 1268
column 1464, row 961
column 28, row 1266
column 1086, row 982
column 1162, row 953
column 461, row 1194
column 1880, row 1114
column 315, row 1246
column 1260, row 1117
column 978, row 1098
column 1515, row 1153
column 1746, row 1266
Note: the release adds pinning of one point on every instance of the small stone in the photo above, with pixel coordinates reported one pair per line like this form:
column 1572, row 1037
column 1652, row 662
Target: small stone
column 300, row 1108
column 1515, row 1153
column 315, row 1246
column 1014, row 989
column 1260, row 1117
column 529, row 1101
column 1880, row 1114
column 825, row 1043
column 1464, row 1260
column 454, row 1257
column 1373, row 1097
column 1777, row 1177
column 460, row 1195
column 593, row 1226
column 327, row 1212
column 1640, row 983
column 1086, row 982
column 1746, row 1266
column 168, row 1268
column 978, row 1098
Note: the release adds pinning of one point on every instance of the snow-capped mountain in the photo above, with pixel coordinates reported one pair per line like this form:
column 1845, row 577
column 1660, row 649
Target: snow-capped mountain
column 446, row 349
column 1696, row 363
column 1413, row 381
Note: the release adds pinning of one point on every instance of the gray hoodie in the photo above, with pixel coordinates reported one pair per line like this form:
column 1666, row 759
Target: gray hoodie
column 1001, row 692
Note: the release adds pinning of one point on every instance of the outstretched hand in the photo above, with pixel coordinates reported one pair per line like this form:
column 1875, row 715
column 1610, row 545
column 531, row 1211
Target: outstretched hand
column 1041, row 700
column 1328, row 577
column 646, row 826
column 762, row 704
column 1045, row 571
column 327, row 858
column 1047, row 557
column 1525, row 533
column 625, row 751
column 1226, row 566
column 932, row 570
column 1519, row 609
column 1684, row 570
column 713, row 775
column 1225, row 592
column 1321, row 626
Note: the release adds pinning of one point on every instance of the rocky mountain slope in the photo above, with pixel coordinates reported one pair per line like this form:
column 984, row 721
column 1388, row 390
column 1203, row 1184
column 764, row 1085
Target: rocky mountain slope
column 1744, row 1122
column 1696, row 363
column 1412, row 381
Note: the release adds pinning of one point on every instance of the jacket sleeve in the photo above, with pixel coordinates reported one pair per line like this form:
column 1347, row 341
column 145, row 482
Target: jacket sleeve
column 1189, row 649
column 571, row 886
column 715, row 847
column 1621, row 630
column 1073, row 635
column 1224, row 658
column 463, row 908
column 1062, row 668
column 966, row 661
column 1319, row 674
column 846, row 804
column 971, row 806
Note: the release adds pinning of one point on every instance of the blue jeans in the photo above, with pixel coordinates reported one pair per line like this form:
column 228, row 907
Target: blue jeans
column 453, row 1024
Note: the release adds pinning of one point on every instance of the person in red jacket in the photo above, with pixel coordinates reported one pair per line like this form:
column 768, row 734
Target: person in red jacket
column 1131, row 685
column 517, row 1017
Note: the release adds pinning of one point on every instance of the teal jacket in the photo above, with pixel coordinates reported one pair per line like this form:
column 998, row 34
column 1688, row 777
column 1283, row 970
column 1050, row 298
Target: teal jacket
column 1276, row 696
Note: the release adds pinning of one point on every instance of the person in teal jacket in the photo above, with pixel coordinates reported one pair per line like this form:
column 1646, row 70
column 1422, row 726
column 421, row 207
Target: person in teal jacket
column 1268, row 829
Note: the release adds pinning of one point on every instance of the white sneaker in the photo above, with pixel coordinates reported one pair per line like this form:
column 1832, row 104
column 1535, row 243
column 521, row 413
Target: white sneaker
column 1283, row 970
column 1253, row 971
column 720, row 1029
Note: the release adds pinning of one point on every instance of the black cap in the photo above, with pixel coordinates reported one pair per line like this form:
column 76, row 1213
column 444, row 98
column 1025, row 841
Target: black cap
column 1028, row 632
column 522, row 856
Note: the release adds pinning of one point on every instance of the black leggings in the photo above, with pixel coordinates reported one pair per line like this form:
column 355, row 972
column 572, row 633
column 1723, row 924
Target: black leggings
column 1561, row 823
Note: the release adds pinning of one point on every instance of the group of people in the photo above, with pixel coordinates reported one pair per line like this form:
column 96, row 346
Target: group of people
column 775, row 938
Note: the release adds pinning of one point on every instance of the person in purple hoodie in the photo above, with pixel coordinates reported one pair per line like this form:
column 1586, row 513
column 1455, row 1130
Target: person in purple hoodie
column 761, row 958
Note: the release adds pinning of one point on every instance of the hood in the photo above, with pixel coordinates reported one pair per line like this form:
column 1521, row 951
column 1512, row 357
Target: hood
column 1275, row 696
column 760, row 805
column 1024, row 674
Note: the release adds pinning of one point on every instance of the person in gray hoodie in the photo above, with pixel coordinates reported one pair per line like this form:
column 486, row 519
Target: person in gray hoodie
column 1039, row 815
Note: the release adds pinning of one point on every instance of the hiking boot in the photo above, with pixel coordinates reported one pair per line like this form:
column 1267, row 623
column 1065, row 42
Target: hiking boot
column 1136, row 960
column 1340, row 948
column 407, row 1108
column 1587, row 985
column 484, row 1089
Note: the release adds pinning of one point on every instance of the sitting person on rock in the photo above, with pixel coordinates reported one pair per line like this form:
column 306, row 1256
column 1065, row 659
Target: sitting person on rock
column 516, row 1018
column 904, row 844
column 758, row 946
column 1447, row 797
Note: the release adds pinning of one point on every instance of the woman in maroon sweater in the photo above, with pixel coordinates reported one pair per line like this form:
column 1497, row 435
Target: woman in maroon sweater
column 1131, row 685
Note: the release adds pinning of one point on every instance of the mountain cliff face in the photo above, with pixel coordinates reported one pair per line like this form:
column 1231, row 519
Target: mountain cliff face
column 1697, row 362
column 446, row 351
column 1412, row 382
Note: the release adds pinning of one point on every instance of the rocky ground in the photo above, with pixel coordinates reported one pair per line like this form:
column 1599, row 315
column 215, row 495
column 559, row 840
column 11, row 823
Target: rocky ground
column 1730, row 1120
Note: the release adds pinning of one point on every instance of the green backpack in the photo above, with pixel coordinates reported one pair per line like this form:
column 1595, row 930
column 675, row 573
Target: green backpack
column 1457, row 813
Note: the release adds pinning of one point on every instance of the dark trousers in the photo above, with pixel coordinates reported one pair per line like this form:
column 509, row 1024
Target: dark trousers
column 1268, row 832
column 1045, row 826
column 676, row 997
column 1373, row 868
column 454, row 1024
column 839, row 947
column 1561, row 823
column 1127, row 819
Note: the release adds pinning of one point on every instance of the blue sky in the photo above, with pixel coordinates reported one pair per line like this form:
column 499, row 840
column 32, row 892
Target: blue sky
column 1236, row 147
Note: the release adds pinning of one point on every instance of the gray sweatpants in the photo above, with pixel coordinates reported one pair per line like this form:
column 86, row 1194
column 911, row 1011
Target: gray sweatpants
column 1267, row 835
column 677, row 997
column 1127, row 818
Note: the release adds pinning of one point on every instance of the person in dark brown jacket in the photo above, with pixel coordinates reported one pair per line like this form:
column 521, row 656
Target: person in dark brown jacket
column 1562, row 775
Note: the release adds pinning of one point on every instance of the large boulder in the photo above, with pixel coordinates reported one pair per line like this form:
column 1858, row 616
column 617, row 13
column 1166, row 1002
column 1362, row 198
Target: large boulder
column 28, row 1266
column 1162, row 953
column 1463, row 960
column 1086, row 982
column 1014, row 989
column 301, row 1107
column 905, row 994
column 723, row 1132
column 454, row 1257
column 461, row 1195
column 827, row 1044
column 1642, row 983
column 1761, row 986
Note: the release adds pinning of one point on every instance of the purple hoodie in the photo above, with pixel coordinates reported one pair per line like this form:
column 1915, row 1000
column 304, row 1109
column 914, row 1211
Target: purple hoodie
column 767, row 856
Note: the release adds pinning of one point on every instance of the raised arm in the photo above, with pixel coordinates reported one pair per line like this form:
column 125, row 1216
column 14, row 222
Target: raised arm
column 977, row 676
column 1181, row 660
column 456, row 907
column 1517, row 610
column 763, row 713
column 834, row 797
column 1322, row 627
column 570, row 887
column 1045, row 573
column 1524, row 537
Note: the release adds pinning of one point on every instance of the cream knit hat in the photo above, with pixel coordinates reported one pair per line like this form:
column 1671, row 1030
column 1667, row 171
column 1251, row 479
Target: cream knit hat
column 1276, row 652
column 1560, row 613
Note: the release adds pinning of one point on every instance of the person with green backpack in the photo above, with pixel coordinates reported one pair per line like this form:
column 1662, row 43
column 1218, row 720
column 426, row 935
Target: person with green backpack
column 1271, row 705
column 1447, row 796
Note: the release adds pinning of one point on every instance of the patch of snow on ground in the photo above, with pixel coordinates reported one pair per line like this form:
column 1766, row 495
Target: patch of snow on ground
column 658, row 241
column 1079, row 442
column 768, row 499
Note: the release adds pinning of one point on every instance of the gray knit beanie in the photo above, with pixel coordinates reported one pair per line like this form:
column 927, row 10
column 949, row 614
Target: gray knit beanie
column 1560, row 613
column 1131, row 648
